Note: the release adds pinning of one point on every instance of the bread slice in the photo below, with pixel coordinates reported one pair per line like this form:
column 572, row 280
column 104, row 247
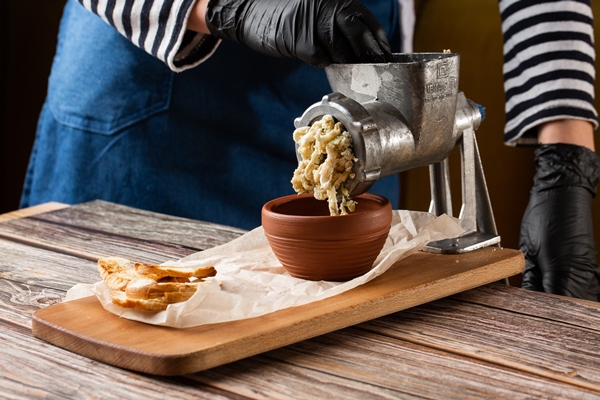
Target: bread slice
column 119, row 298
column 117, row 272
column 149, row 286
column 172, row 279
column 146, row 288
column 159, row 271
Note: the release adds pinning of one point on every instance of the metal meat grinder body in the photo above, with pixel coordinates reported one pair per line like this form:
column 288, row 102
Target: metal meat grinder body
column 407, row 114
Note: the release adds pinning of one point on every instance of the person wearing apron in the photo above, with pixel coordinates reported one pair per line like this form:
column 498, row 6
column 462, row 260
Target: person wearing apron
column 127, row 121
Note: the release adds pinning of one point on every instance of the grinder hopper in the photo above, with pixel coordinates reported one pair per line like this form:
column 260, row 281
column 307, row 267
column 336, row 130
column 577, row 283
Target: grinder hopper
column 409, row 113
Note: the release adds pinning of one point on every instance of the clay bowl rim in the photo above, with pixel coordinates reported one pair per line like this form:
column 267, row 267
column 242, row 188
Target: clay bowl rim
column 268, row 207
column 322, row 226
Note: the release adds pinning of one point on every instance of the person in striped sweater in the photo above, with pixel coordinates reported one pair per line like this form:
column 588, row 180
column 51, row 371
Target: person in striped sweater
column 207, row 142
column 549, row 76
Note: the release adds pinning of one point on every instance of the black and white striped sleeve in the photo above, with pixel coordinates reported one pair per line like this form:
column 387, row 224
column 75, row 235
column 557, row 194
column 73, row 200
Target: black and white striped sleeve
column 158, row 27
column 549, row 65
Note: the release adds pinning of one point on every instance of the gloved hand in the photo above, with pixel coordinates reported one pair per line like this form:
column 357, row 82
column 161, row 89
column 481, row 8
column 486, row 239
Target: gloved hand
column 557, row 235
column 319, row 32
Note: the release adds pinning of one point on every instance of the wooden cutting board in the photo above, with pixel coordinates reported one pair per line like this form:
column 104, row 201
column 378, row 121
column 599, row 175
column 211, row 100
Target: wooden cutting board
column 84, row 327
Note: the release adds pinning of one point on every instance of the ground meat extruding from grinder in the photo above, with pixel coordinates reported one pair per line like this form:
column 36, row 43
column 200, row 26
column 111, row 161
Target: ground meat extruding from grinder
column 326, row 163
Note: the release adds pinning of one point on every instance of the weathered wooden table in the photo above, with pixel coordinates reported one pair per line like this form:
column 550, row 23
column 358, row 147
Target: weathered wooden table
column 493, row 341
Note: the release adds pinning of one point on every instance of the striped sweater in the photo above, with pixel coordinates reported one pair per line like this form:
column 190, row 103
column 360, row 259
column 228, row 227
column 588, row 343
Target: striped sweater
column 549, row 66
column 158, row 27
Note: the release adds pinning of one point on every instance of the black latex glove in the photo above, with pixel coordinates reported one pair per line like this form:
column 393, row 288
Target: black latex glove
column 557, row 235
column 320, row 32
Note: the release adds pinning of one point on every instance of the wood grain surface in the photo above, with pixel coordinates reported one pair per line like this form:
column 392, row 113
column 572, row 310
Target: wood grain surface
column 490, row 342
column 84, row 327
column 34, row 210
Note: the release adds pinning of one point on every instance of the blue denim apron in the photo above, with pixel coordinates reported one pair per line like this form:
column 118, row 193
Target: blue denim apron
column 212, row 143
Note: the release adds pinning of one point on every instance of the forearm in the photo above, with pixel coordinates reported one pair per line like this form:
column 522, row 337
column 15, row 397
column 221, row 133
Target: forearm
column 197, row 21
column 568, row 131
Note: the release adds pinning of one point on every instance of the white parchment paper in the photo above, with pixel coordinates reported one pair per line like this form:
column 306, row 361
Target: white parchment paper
column 250, row 281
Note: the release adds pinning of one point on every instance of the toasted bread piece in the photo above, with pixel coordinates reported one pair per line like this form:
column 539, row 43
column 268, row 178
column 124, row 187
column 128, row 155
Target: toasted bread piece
column 159, row 271
column 149, row 286
column 146, row 288
column 117, row 272
column 176, row 297
column 171, row 279
column 119, row 298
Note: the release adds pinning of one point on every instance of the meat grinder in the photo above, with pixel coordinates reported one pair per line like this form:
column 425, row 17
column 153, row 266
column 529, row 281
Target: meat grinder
column 406, row 114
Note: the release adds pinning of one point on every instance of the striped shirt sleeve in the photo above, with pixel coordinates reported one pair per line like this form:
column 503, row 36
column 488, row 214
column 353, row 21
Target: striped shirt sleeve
column 549, row 65
column 158, row 27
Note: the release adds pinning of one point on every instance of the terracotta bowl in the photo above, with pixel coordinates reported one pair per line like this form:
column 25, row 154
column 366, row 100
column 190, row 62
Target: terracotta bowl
column 313, row 245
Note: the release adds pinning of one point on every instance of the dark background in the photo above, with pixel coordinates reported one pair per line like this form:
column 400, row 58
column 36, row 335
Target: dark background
column 28, row 30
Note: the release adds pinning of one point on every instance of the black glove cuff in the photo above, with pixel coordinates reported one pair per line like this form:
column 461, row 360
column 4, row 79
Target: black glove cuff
column 566, row 165
column 221, row 17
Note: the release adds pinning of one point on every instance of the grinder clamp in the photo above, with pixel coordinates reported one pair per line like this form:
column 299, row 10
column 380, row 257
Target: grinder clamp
column 406, row 114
